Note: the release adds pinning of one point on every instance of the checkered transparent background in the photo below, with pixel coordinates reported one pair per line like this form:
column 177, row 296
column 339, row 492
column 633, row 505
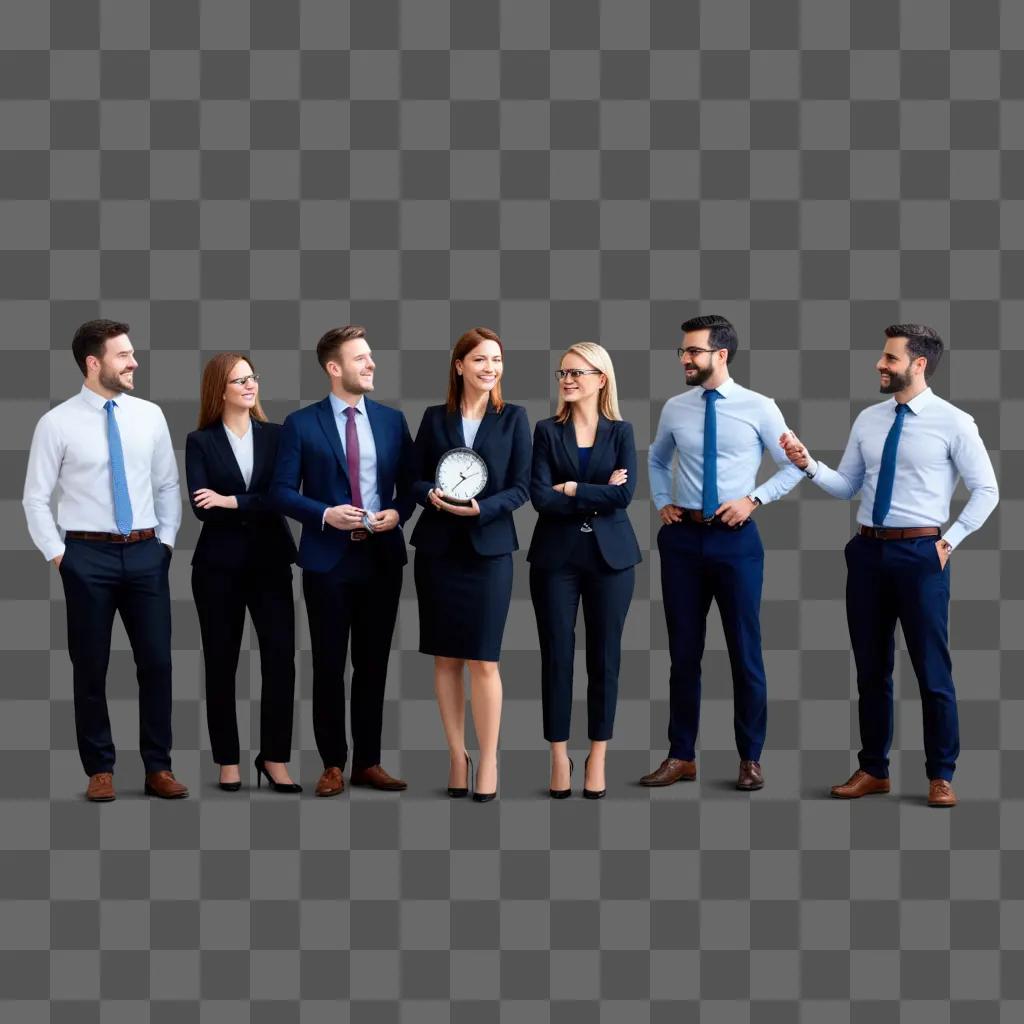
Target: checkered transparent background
column 227, row 175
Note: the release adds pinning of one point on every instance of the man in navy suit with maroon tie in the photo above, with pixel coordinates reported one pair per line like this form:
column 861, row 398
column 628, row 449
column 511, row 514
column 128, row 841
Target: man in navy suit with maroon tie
column 344, row 470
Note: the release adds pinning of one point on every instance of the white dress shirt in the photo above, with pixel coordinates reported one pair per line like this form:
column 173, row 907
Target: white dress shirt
column 938, row 443
column 242, row 448
column 748, row 424
column 367, row 449
column 70, row 451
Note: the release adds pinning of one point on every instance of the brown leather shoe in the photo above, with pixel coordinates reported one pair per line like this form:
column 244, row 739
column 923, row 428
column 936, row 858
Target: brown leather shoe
column 101, row 788
column 859, row 784
column 671, row 770
column 751, row 777
column 165, row 785
column 940, row 794
column 377, row 778
column 330, row 783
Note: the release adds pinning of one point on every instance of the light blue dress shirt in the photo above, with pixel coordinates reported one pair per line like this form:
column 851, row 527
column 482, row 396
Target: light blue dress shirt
column 939, row 444
column 748, row 424
column 367, row 449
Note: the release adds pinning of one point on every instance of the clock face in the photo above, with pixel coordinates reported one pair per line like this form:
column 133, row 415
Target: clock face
column 461, row 473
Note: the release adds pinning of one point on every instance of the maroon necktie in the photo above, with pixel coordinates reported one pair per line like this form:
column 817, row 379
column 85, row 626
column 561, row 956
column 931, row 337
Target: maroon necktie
column 352, row 456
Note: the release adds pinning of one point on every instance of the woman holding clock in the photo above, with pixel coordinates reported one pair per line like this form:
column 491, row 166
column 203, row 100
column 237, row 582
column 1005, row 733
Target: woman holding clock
column 473, row 457
column 583, row 478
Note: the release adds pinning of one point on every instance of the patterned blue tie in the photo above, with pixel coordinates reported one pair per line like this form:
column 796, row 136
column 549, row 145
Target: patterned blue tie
column 887, row 471
column 709, row 497
column 122, row 501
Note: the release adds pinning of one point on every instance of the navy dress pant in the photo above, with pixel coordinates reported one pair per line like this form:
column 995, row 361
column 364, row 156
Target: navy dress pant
column 901, row 580
column 699, row 564
column 100, row 580
column 606, row 594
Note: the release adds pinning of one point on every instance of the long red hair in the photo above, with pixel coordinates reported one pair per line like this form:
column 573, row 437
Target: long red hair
column 214, row 383
column 463, row 347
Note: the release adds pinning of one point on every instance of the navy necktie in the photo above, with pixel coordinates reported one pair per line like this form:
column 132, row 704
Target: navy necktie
column 887, row 471
column 122, row 500
column 709, row 496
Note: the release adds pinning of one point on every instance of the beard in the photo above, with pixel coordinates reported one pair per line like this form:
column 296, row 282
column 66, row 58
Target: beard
column 354, row 384
column 897, row 382
column 702, row 374
column 114, row 381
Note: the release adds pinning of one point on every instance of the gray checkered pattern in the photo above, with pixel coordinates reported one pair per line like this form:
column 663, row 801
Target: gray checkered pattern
column 227, row 174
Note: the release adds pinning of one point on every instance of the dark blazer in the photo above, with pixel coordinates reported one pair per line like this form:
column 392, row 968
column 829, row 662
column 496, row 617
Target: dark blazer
column 503, row 441
column 253, row 533
column 310, row 457
column 555, row 460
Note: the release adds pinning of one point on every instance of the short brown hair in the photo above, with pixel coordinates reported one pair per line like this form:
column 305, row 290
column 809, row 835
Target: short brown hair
column 463, row 347
column 215, row 380
column 91, row 338
column 327, row 347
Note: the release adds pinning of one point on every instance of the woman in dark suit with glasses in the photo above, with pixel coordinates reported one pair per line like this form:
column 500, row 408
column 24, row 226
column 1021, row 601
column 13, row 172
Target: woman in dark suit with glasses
column 242, row 560
column 463, row 564
column 582, row 480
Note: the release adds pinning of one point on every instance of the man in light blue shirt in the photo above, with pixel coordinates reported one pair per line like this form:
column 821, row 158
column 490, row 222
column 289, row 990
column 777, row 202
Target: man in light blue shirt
column 709, row 545
column 904, row 457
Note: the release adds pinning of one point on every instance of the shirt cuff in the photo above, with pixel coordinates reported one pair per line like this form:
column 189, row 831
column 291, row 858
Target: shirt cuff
column 51, row 553
column 323, row 520
column 955, row 534
column 811, row 469
column 166, row 536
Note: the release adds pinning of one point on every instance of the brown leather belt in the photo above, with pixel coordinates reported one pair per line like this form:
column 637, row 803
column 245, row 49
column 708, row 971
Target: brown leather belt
column 899, row 532
column 695, row 515
column 111, row 538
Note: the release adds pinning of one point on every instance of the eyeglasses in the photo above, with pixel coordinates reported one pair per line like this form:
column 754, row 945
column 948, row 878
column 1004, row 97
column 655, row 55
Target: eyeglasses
column 575, row 374
column 242, row 381
column 693, row 351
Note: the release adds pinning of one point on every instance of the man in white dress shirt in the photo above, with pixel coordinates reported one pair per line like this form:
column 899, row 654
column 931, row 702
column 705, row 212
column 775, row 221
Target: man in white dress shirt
column 904, row 456
column 119, row 509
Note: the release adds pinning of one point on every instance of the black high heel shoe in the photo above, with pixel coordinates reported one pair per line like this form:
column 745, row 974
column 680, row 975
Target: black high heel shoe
column 231, row 787
column 561, row 794
column 483, row 798
column 591, row 794
column 459, row 791
column 277, row 787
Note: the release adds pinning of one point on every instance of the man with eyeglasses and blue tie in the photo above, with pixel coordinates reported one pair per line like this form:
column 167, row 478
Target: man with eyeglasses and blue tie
column 904, row 456
column 111, row 456
column 710, row 548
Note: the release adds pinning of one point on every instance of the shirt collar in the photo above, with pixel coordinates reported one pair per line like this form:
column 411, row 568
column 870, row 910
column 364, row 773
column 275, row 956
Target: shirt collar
column 96, row 401
column 339, row 406
column 726, row 387
column 920, row 402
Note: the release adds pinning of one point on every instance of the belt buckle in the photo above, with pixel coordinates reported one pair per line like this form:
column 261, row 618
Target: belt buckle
column 586, row 527
column 360, row 534
column 707, row 520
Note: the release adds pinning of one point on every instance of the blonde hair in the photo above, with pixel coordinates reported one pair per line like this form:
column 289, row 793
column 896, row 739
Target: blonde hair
column 599, row 359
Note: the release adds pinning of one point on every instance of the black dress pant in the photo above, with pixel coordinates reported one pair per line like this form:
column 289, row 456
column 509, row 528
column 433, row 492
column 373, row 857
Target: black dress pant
column 606, row 595
column 222, row 596
column 358, row 603
column 101, row 579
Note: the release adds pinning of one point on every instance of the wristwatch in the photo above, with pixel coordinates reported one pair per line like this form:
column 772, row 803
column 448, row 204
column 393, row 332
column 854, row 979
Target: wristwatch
column 756, row 501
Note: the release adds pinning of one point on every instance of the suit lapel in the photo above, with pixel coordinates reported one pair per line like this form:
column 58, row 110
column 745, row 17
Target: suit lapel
column 325, row 414
column 453, row 429
column 380, row 442
column 223, row 448
column 259, row 454
column 604, row 433
column 568, row 433
column 486, row 425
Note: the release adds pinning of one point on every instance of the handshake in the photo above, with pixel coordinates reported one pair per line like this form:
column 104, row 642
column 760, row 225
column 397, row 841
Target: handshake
column 795, row 450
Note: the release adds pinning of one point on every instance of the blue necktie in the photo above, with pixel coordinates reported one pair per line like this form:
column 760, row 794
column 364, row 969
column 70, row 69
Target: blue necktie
column 887, row 471
column 709, row 497
column 122, row 501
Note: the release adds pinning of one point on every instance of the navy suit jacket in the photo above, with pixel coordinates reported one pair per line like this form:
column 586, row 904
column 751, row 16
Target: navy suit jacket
column 254, row 534
column 503, row 441
column 555, row 460
column 311, row 475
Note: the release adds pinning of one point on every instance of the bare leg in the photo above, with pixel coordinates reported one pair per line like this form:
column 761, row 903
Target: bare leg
column 485, row 683
column 451, row 702
column 560, row 778
column 595, row 765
